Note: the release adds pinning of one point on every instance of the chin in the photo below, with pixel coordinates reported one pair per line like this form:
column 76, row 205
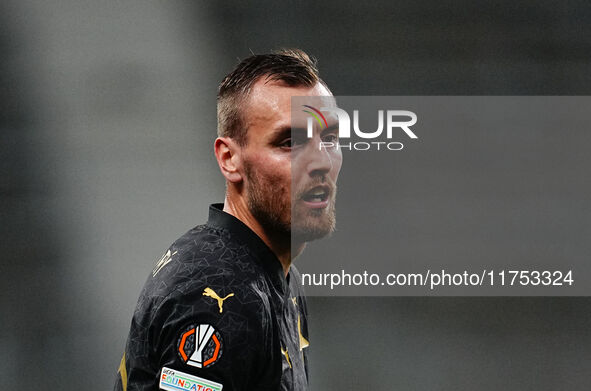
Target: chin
column 307, row 230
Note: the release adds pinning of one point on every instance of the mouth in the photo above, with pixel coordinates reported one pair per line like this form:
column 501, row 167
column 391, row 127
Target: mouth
column 317, row 197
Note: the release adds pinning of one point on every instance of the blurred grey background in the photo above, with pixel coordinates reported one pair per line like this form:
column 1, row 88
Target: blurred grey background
column 108, row 116
column 491, row 183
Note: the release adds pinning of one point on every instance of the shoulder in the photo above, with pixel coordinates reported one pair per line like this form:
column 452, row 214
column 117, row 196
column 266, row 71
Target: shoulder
column 205, row 274
column 204, row 257
column 205, row 308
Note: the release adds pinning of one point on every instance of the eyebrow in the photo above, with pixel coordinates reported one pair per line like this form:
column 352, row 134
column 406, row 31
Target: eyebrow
column 287, row 130
column 280, row 132
column 331, row 127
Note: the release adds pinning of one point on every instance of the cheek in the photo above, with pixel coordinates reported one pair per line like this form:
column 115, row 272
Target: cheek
column 276, row 173
column 298, row 174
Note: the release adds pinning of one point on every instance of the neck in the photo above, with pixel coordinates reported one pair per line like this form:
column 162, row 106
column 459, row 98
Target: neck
column 279, row 243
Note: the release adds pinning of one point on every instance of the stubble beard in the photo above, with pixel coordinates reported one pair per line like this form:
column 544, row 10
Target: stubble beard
column 312, row 224
column 270, row 204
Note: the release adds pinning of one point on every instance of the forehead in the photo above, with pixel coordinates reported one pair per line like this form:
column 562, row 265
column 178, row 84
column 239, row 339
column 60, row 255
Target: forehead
column 269, row 103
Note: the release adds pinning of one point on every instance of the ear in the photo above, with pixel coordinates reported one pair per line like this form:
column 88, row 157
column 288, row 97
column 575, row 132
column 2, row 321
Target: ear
column 227, row 153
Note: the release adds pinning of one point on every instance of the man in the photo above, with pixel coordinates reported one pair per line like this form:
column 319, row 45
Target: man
column 224, row 307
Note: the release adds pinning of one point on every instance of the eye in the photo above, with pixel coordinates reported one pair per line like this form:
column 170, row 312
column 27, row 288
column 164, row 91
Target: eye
column 287, row 143
column 330, row 138
column 295, row 140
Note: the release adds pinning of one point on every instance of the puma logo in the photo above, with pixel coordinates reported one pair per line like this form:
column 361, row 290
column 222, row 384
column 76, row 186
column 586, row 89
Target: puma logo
column 210, row 292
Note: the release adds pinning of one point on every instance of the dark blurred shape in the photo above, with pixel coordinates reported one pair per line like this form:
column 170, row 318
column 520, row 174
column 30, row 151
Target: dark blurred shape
column 29, row 245
column 426, row 47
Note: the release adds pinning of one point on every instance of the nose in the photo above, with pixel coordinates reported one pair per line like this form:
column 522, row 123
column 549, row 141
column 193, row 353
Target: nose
column 319, row 159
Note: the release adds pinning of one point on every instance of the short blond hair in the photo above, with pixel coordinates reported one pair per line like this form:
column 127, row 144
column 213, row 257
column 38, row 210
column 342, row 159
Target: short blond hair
column 290, row 66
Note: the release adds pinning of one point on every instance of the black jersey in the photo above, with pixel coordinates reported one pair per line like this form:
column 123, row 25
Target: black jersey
column 218, row 312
